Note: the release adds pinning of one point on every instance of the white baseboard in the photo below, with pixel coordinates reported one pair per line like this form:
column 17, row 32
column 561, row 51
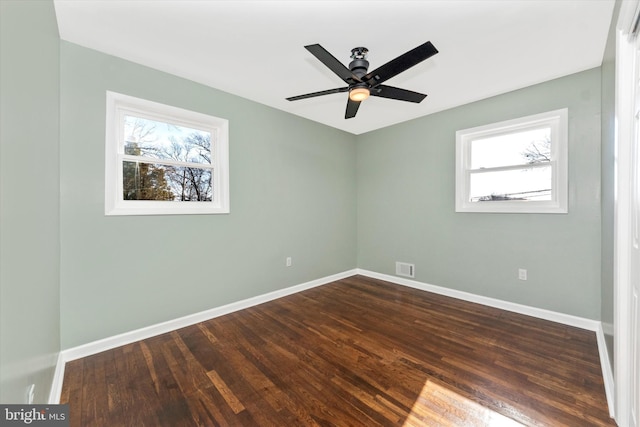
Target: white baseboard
column 607, row 328
column 171, row 325
column 566, row 319
column 56, row 385
column 607, row 372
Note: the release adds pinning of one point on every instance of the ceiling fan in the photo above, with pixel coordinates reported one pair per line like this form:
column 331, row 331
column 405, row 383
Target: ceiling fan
column 361, row 84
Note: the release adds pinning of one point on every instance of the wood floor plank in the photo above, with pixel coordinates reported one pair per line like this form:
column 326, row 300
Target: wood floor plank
column 356, row 352
column 72, row 389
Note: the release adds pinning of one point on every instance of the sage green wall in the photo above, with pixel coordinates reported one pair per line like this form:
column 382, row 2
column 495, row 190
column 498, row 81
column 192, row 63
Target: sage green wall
column 29, row 207
column 608, row 181
column 293, row 193
column 406, row 187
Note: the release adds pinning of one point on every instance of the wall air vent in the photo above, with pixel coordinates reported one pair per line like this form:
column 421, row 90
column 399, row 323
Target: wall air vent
column 405, row 269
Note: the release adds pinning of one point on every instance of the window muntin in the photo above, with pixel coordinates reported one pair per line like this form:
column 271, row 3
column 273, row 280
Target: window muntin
column 160, row 157
column 513, row 166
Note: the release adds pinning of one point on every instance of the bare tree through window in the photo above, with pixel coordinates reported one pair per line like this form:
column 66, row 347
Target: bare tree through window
column 166, row 179
column 538, row 151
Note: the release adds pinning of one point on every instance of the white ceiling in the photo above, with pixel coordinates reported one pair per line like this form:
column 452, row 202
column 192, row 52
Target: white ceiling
column 255, row 49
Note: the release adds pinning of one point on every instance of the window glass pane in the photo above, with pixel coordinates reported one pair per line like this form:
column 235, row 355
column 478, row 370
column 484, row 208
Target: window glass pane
column 153, row 181
column 516, row 148
column 159, row 140
column 522, row 184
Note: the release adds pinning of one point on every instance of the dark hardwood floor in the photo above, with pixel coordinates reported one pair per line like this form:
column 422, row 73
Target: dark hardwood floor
column 356, row 352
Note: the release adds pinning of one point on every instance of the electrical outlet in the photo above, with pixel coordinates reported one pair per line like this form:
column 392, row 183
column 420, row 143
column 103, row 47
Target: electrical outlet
column 31, row 392
column 289, row 261
column 522, row 274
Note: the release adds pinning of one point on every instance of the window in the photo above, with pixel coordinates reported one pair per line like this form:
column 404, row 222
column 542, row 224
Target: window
column 518, row 165
column 163, row 160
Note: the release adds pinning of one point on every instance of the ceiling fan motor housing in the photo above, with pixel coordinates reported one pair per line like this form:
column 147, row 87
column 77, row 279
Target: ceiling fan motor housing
column 359, row 65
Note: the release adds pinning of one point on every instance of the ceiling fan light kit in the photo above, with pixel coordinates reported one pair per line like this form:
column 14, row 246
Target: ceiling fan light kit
column 361, row 84
column 359, row 94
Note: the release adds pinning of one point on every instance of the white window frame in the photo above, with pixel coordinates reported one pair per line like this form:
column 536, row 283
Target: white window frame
column 557, row 120
column 118, row 105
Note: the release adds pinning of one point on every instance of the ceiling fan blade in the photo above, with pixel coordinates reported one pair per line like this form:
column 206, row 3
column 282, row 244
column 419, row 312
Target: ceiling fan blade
column 332, row 63
column 400, row 64
column 322, row 92
column 352, row 109
column 391, row 92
